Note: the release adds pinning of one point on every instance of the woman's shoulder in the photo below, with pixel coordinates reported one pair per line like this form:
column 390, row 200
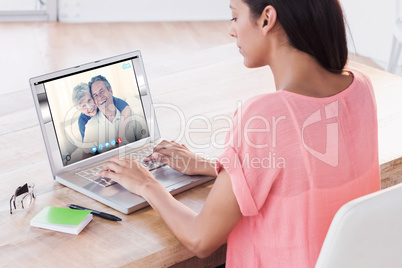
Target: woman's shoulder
column 271, row 101
column 359, row 77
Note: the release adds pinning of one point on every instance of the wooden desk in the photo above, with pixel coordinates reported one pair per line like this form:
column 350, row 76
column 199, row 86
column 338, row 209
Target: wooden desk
column 202, row 87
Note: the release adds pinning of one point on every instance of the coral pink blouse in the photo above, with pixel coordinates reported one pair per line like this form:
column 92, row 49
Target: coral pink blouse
column 294, row 161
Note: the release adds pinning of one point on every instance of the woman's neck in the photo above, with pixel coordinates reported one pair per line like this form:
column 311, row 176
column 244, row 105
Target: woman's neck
column 298, row 72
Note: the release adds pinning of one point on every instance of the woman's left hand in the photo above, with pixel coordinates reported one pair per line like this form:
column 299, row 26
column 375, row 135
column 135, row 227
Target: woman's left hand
column 131, row 174
column 180, row 158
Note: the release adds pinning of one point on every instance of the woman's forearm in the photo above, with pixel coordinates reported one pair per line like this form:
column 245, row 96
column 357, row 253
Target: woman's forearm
column 181, row 220
column 201, row 233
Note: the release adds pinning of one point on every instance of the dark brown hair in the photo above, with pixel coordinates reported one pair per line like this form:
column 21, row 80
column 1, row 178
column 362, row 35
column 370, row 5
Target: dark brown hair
column 315, row 27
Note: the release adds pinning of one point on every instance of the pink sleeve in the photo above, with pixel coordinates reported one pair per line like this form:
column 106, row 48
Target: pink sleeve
column 251, row 180
column 230, row 161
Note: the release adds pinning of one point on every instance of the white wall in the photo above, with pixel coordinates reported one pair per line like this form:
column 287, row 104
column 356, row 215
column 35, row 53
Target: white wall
column 143, row 10
column 370, row 21
column 371, row 26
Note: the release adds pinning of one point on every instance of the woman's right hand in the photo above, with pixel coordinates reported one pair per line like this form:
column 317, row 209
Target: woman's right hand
column 180, row 158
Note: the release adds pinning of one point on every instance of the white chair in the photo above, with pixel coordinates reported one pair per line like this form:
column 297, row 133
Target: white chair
column 366, row 232
column 397, row 40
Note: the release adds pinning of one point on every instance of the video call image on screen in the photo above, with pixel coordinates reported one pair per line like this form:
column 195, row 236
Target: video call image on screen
column 96, row 111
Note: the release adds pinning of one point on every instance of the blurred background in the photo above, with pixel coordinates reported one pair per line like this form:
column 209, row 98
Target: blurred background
column 371, row 23
column 40, row 36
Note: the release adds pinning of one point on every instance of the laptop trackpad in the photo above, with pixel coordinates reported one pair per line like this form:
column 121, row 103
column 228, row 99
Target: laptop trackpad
column 168, row 176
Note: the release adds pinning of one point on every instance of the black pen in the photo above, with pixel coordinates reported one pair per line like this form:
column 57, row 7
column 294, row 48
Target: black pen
column 96, row 213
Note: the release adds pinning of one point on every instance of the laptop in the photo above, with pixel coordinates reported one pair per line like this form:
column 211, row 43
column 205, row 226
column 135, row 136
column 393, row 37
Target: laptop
column 80, row 138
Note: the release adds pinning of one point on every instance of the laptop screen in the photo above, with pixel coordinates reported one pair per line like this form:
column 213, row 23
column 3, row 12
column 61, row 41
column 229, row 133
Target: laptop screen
column 96, row 110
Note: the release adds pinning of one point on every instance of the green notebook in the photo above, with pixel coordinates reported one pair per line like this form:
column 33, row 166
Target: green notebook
column 59, row 219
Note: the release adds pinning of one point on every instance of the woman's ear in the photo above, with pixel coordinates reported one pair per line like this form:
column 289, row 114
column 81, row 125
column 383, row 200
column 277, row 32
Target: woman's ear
column 268, row 19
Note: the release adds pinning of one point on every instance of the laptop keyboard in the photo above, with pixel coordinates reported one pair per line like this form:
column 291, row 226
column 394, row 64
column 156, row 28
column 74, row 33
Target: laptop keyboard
column 139, row 155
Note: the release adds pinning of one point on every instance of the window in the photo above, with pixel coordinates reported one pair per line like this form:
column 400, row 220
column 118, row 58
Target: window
column 28, row 10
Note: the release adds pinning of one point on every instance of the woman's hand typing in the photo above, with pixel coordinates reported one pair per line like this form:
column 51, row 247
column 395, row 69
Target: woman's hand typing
column 180, row 158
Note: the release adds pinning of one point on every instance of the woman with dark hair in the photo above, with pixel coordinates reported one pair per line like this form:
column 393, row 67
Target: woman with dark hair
column 320, row 125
